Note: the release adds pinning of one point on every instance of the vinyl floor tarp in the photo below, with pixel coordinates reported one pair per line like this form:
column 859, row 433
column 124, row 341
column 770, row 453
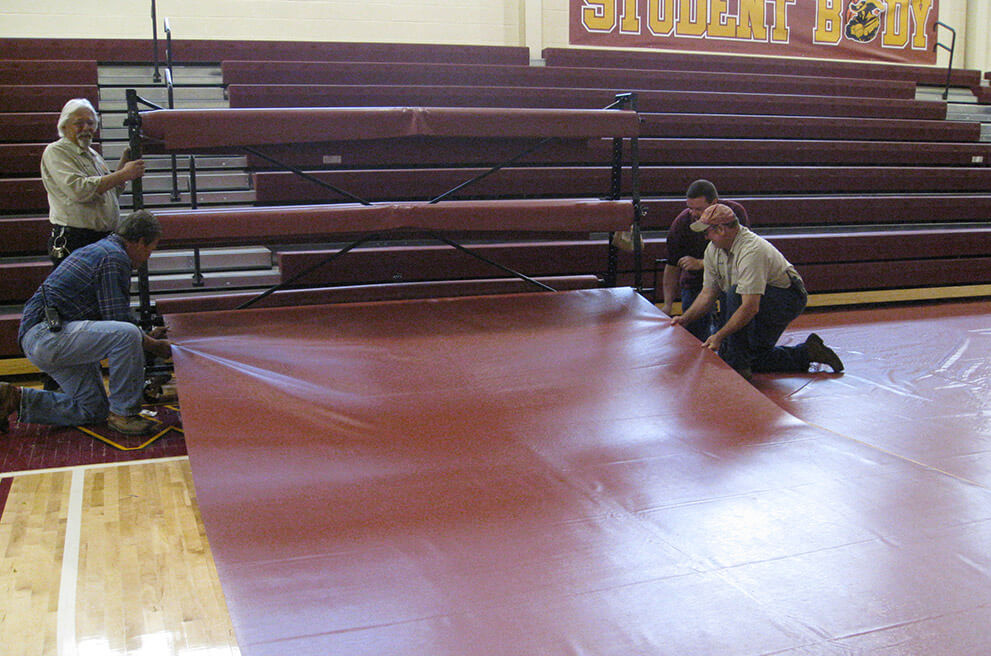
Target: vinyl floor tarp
column 554, row 474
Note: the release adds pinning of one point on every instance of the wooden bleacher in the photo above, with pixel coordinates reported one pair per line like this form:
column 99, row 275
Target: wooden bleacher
column 694, row 61
column 453, row 75
column 43, row 98
column 838, row 156
column 650, row 101
column 835, row 162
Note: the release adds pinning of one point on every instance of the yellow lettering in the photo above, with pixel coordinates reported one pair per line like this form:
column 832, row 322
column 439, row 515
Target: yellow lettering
column 780, row 32
column 599, row 15
column 751, row 23
column 631, row 19
column 660, row 19
column 829, row 22
column 690, row 19
column 721, row 25
column 896, row 24
column 920, row 12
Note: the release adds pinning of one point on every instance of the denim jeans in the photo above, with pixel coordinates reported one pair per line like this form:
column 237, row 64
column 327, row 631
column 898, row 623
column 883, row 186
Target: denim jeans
column 701, row 327
column 72, row 357
column 754, row 346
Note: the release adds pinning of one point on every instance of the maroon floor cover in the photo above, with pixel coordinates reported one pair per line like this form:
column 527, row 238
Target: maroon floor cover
column 918, row 383
column 554, row 474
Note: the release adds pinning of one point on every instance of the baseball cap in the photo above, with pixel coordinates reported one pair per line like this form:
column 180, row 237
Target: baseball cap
column 717, row 214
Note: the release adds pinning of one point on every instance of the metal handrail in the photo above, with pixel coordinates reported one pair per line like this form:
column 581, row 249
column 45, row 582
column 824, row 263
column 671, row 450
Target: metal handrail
column 157, row 77
column 953, row 45
column 174, row 195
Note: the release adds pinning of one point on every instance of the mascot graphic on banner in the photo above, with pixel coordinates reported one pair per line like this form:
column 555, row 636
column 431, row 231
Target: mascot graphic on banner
column 864, row 20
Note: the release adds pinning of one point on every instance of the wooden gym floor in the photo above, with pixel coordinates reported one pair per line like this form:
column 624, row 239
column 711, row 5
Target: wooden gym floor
column 109, row 559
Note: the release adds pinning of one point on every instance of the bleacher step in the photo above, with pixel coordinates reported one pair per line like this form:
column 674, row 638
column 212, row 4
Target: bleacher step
column 163, row 200
column 205, row 181
column 212, row 280
column 211, row 259
column 159, row 163
column 143, row 75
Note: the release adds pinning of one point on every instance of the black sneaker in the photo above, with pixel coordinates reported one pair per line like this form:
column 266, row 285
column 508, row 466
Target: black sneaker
column 819, row 352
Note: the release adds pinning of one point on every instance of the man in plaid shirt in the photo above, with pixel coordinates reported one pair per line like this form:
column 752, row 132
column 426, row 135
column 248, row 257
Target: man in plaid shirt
column 90, row 291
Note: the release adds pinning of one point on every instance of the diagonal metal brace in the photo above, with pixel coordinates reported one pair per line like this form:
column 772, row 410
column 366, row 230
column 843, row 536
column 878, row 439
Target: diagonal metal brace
column 327, row 260
column 516, row 274
column 540, row 144
column 306, row 176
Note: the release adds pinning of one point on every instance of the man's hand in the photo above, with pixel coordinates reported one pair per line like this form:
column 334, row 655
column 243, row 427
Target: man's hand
column 689, row 263
column 132, row 170
column 128, row 171
column 713, row 342
column 159, row 347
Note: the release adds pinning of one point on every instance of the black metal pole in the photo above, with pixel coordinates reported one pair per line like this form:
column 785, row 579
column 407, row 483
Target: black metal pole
column 133, row 122
column 157, row 77
column 194, row 204
column 637, row 211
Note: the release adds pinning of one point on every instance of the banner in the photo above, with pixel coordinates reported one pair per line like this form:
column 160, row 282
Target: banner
column 886, row 30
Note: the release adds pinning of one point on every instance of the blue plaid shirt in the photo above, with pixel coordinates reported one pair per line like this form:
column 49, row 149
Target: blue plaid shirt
column 93, row 283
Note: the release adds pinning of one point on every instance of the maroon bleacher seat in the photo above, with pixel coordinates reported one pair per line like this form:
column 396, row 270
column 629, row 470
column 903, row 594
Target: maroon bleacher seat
column 695, row 102
column 39, row 98
column 410, row 74
column 48, row 72
column 696, row 61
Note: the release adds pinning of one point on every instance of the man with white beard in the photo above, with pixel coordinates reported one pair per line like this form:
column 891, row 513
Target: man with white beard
column 82, row 191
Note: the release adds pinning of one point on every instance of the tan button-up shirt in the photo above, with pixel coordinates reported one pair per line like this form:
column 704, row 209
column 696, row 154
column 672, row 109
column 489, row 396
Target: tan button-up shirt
column 71, row 175
column 752, row 263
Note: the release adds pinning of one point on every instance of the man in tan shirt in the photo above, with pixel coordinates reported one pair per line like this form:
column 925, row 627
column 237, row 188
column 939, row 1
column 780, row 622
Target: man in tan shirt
column 82, row 191
column 764, row 293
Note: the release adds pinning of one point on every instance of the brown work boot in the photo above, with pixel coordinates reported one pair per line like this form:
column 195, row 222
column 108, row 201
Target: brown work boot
column 131, row 425
column 819, row 352
column 10, row 402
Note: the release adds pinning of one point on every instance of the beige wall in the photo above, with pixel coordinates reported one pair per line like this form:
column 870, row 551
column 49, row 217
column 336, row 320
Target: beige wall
column 534, row 23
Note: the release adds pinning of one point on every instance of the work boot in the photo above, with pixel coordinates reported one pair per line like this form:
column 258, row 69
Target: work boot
column 131, row 425
column 819, row 352
column 10, row 402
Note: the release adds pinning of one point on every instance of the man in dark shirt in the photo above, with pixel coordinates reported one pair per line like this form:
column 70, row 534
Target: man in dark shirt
column 683, row 269
column 90, row 291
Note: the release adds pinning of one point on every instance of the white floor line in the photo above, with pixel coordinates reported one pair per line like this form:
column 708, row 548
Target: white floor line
column 98, row 465
column 66, row 638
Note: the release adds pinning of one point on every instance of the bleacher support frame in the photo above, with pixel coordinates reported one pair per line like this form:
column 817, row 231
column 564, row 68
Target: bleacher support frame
column 622, row 101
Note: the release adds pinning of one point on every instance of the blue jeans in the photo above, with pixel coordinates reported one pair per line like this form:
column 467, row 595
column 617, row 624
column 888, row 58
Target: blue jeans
column 701, row 327
column 754, row 346
column 72, row 357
